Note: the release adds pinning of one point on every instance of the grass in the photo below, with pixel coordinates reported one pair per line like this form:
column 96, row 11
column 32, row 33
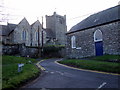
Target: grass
column 99, row 65
column 113, row 58
column 11, row 78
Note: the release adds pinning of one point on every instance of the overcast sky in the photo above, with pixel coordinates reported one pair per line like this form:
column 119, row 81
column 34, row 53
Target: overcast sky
column 75, row 10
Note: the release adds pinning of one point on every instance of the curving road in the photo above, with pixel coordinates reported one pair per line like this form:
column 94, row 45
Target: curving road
column 57, row 76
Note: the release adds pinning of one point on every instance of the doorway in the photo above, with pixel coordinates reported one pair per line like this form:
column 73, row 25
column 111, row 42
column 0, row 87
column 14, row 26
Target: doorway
column 98, row 43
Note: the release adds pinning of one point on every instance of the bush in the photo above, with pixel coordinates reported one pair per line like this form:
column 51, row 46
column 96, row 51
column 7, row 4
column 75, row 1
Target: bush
column 52, row 50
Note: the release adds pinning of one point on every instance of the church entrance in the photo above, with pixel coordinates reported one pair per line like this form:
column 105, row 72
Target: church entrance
column 98, row 43
column 99, row 48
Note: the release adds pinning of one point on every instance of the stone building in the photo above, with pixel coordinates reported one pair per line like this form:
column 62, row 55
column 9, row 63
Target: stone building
column 96, row 35
column 6, row 33
column 56, row 25
column 16, row 34
column 24, row 38
column 24, row 33
column 36, row 28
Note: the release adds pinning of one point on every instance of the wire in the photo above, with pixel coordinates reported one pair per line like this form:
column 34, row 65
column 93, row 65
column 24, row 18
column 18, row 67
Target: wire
column 83, row 15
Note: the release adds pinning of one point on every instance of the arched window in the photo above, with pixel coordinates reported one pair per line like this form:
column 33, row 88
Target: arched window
column 36, row 36
column 73, row 42
column 24, row 33
column 98, row 36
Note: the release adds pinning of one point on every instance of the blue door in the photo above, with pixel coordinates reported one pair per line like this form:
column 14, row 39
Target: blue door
column 99, row 48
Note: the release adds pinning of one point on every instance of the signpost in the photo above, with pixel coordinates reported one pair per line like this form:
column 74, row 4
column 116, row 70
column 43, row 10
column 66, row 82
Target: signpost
column 20, row 67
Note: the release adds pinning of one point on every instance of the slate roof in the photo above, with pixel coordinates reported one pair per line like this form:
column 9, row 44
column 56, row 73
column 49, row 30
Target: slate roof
column 35, row 23
column 6, row 29
column 99, row 18
column 49, row 33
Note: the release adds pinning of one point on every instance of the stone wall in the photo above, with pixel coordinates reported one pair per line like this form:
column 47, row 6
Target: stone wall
column 10, row 49
column 85, row 45
column 20, row 50
column 24, row 51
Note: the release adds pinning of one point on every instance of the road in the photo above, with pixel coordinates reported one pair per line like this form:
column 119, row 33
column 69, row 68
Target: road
column 57, row 76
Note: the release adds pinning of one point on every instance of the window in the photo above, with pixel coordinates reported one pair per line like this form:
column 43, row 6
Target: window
column 97, row 36
column 60, row 20
column 24, row 35
column 36, row 36
column 73, row 42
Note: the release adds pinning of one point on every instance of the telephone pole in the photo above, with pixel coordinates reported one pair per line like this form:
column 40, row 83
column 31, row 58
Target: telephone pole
column 39, row 51
column 42, row 38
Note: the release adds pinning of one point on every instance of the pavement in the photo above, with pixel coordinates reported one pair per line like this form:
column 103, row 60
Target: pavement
column 55, row 75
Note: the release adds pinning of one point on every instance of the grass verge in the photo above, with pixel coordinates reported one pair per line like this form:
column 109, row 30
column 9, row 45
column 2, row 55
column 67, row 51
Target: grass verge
column 99, row 65
column 107, row 58
column 11, row 78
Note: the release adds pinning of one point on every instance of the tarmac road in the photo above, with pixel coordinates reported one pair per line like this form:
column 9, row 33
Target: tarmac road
column 57, row 76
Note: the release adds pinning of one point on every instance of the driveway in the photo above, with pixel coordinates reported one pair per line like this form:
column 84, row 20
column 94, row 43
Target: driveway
column 57, row 76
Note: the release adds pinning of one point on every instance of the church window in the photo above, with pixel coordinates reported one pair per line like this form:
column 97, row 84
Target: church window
column 73, row 42
column 24, row 33
column 98, row 36
column 36, row 36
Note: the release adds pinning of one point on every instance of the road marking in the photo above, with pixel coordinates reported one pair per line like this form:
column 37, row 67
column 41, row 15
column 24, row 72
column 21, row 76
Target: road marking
column 84, row 69
column 60, row 72
column 101, row 85
column 38, row 64
column 51, row 72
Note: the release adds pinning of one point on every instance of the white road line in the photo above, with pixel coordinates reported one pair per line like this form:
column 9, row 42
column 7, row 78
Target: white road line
column 51, row 72
column 60, row 72
column 101, row 85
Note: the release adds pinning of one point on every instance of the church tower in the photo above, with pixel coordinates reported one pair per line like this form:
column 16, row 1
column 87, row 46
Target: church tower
column 57, row 24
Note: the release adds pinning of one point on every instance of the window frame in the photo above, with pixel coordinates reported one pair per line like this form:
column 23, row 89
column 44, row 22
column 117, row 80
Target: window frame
column 36, row 35
column 100, row 35
column 24, row 35
column 73, row 42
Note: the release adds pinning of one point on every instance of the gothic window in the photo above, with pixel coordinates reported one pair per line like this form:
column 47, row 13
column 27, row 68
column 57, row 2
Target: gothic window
column 36, row 36
column 24, row 33
column 73, row 42
column 97, row 36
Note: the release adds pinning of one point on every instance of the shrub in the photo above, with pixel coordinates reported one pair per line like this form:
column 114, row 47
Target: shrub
column 52, row 50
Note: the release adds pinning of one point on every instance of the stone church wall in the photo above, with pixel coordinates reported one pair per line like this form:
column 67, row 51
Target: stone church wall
column 18, row 33
column 85, row 45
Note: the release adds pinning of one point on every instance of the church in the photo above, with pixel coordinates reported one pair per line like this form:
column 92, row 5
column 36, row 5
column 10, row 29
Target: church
column 32, row 35
column 26, row 39
column 96, row 35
